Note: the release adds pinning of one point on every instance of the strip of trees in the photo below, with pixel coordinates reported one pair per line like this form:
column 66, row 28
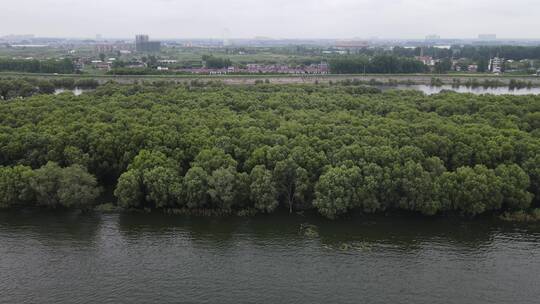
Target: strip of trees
column 63, row 66
column 212, row 62
column 334, row 149
column 379, row 64
column 474, row 52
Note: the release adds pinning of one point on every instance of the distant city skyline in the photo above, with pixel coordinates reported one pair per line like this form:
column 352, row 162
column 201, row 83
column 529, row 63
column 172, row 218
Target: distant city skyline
column 280, row 19
column 431, row 37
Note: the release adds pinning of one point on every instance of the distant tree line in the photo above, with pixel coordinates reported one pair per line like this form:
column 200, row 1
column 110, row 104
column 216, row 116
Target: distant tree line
column 435, row 52
column 139, row 71
column 212, row 62
column 474, row 52
column 504, row 51
column 333, row 149
column 380, row 64
column 64, row 66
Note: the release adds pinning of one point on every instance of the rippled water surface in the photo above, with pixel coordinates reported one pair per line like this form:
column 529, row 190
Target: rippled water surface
column 141, row 258
column 430, row 90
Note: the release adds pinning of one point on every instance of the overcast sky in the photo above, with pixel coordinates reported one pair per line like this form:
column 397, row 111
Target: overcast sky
column 271, row 18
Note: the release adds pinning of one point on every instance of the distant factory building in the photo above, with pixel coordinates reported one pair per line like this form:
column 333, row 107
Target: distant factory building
column 487, row 37
column 351, row 45
column 144, row 45
column 432, row 38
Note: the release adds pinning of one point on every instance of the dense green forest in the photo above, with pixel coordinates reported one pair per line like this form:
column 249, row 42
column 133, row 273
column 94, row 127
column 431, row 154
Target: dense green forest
column 213, row 62
column 334, row 149
column 504, row 51
column 64, row 66
column 380, row 64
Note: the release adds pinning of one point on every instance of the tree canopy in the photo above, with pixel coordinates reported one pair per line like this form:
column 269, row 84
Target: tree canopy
column 334, row 149
column 61, row 66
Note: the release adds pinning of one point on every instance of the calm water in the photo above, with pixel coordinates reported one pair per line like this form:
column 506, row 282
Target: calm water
column 429, row 90
column 136, row 258
column 76, row 91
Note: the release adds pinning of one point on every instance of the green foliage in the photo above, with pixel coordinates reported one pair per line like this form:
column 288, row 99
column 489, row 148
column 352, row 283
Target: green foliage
column 14, row 188
column 222, row 187
column 45, row 183
column 337, row 191
column 128, row 190
column 420, row 191
column 532, row 168
column 213, row 159
column 473, row 190
column 515, row 183
column 292, row 182
column 212, row 62
column 196, row 187
column 164, row 187
column 262, row 189
column 379, row 64
column 223, row 148
column 443, row 66
column 64, row 66
column 77, row 188
column 51, row 186
column 152, row 180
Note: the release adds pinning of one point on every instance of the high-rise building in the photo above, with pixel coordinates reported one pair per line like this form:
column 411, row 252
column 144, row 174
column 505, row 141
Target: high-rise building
column 143, row 44
column 140, row 39
column 104, row 48
column 496, row 65
column 433, row 38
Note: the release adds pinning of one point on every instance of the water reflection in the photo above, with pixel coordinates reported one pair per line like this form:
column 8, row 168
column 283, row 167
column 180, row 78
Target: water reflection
column 53, row 257
column 76, row 91
column 404, row 233
column 52, row 228
column 430, row 90
column 401, row 232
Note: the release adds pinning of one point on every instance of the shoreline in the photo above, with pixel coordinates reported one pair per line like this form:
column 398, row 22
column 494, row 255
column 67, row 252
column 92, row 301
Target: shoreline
column 530, row 216
column 445, row 79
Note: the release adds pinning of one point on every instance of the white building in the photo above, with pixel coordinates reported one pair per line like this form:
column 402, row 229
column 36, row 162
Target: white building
column 496, row 65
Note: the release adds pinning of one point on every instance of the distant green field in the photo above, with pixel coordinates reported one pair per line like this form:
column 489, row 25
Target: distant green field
column 176, row 53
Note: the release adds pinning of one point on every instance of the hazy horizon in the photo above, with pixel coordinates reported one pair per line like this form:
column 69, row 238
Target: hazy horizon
column 278, row 19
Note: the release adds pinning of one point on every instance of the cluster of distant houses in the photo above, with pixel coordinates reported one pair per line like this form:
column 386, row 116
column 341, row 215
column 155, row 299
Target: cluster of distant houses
column 253, row 68
column 496, row 65
column 321, row 68
column 499, row 65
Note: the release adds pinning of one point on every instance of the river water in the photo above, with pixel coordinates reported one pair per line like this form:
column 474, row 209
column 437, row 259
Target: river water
column 427, row 89
column 430, row 90
column 149, row 258
column 76, row 91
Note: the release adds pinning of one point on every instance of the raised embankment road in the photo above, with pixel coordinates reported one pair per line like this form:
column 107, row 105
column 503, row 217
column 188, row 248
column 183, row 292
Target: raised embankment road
column 425, row 79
